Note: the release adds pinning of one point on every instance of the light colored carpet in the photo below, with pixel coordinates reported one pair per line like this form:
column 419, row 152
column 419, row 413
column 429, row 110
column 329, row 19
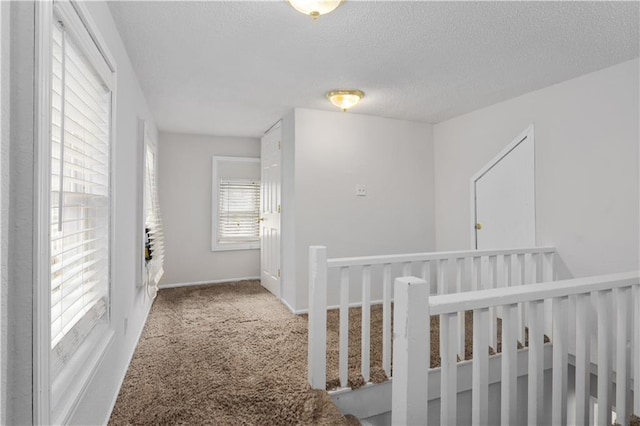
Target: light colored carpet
column 222, row 354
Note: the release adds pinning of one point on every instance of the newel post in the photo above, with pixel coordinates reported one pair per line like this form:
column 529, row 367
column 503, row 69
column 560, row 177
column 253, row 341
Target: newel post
column 411, row 351
column 317, row 353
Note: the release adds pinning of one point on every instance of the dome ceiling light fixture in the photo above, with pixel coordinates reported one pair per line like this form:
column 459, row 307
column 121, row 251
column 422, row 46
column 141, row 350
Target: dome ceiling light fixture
column 345, row 99
column 315, row 8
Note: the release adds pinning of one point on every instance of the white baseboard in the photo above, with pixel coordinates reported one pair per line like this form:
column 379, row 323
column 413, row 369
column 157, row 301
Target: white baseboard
column 334, row 307
column 197, row 283
column 285, row 303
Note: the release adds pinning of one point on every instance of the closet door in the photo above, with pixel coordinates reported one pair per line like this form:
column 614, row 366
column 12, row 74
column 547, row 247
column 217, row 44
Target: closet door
column 271, row 178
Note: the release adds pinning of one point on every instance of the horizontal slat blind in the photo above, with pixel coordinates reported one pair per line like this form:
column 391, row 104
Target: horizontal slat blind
column 80, row 197
column 238, row 210
column 153, row 219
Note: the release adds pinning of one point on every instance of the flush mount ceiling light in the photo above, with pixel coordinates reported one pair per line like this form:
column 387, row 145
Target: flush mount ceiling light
column 345, row 99
column 315, row 8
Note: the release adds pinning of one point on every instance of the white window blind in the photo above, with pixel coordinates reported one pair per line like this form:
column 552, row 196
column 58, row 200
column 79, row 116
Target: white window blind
column 153, row 220
column 80, row 197
column 238, row 210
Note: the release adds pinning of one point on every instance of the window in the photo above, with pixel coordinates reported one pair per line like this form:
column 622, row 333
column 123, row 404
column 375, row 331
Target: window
column 236, row 203
column 154, row 237
column 80, row 199
column 238, row 210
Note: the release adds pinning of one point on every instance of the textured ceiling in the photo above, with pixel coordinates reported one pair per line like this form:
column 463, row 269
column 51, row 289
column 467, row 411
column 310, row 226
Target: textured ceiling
column 234, row 68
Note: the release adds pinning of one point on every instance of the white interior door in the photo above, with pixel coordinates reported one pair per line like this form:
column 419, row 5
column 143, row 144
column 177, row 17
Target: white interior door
column 270, row 210
column 504, row 207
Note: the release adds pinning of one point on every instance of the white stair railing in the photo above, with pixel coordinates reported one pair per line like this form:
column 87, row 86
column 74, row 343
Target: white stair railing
column 449, row 272
column 617, row 305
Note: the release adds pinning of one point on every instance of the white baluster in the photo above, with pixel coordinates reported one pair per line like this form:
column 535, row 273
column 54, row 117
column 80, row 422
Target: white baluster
column 509, row 386
column 548, row 276
column 622, row 371
column 522, row 270
column 366, row 322
column 535, row 276
column 426, row 274
column 426, row 271
column 461, row 319
column 493, row 316
column 604, row 358
column 636, row 351
column 505, row 278
column 406, row 269
column 548, row 267
column 476, row 273
column 583, row 382
column 521, row 274
column 344, row 326
column 386, row 319
column 560, row 362
column 480, row 379
column 535, row 407
column 442, row 275
column 444, row 325
column 507, row 271
column 449, row 369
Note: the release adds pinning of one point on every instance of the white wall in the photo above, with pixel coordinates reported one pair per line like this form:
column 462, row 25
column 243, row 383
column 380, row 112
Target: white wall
column 185, row 184
column 334, row 151
column 586, row 136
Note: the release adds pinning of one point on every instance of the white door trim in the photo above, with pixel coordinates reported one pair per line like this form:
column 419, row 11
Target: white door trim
column 273, row 127
column 528, row 133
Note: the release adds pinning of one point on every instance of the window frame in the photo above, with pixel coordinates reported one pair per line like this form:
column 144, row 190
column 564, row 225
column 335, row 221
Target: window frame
column 153, row 268
column 55, row 398
column 216, row 245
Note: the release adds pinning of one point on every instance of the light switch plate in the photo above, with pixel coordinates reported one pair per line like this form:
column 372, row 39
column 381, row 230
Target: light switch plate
column 361, row 190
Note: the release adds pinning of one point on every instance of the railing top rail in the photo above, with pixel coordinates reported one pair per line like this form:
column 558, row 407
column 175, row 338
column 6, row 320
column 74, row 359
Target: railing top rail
column 421, row 257
column 481, row 299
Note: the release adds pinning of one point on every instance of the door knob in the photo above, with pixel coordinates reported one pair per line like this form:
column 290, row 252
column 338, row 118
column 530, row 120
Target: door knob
column 261, row 219
column 478, row 226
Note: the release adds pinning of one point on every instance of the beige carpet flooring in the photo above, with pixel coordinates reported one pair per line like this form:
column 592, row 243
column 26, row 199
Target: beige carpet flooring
column 226, row 354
